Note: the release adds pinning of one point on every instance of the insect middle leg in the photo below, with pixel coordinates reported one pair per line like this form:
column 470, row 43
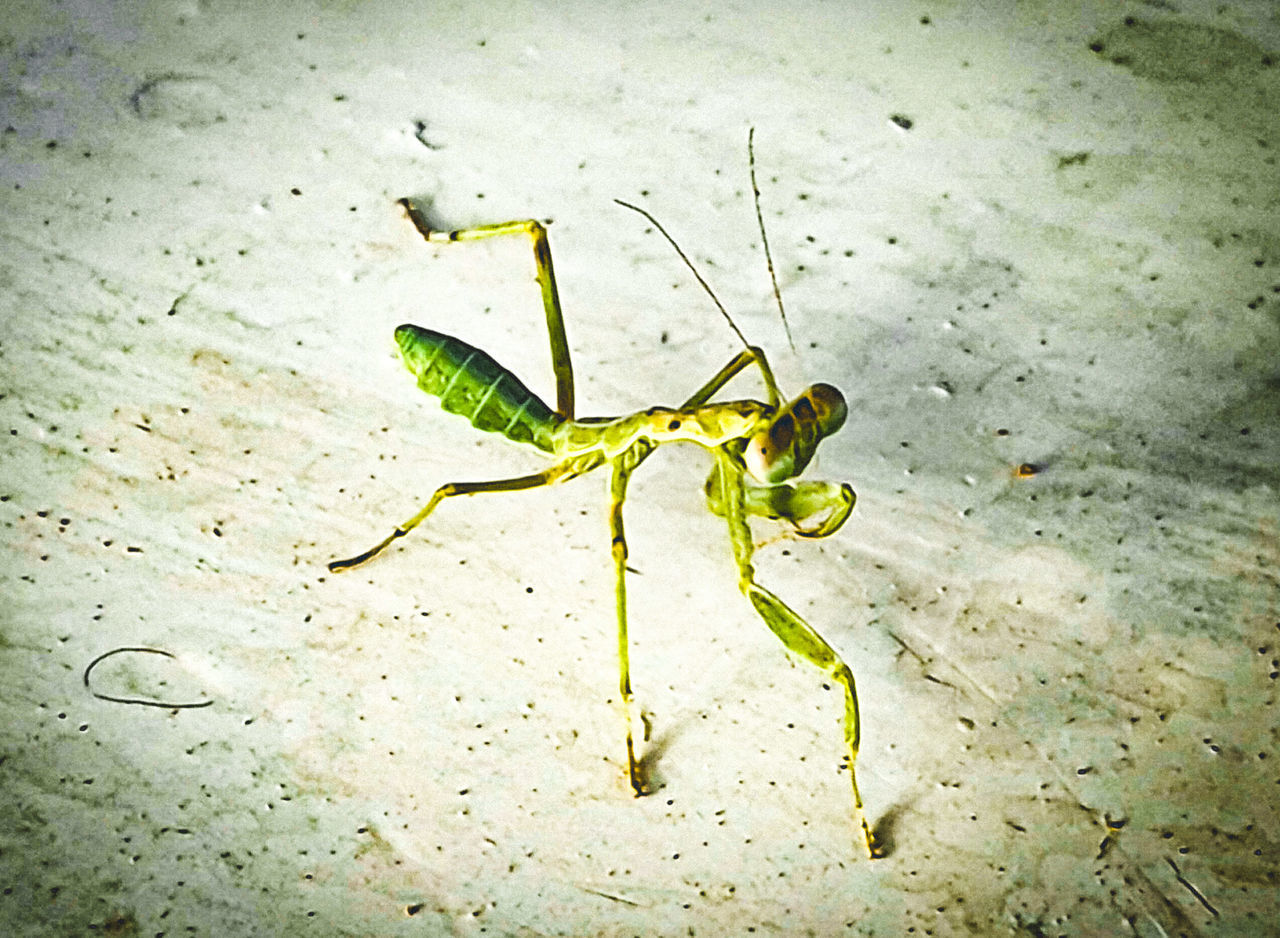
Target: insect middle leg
column 561, row 364
column 797, row 635
column 750, row 355
column 623, row 466
column 560, row 472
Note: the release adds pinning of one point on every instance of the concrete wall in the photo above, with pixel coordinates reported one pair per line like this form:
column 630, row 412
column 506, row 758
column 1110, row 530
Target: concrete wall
column 1036, row 245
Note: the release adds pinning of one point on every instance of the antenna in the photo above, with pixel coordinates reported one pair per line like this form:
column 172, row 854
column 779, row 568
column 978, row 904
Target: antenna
column 720, row 306
column 764, row 238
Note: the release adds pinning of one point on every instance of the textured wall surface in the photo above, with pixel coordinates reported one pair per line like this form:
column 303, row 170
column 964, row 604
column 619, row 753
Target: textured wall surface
column 1035, row 243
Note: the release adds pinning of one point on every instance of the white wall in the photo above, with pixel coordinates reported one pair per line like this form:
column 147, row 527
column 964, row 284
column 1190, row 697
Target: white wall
column 1070, row 261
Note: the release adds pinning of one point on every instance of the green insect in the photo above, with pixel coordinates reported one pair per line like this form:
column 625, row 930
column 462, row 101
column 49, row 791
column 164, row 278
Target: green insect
column 759, row 448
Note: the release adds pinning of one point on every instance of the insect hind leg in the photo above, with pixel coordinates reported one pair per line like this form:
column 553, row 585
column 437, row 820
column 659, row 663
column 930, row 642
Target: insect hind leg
column 561, row 472
column 561, row 363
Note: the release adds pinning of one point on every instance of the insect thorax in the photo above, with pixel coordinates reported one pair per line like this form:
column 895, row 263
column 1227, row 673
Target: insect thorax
column 709, row 425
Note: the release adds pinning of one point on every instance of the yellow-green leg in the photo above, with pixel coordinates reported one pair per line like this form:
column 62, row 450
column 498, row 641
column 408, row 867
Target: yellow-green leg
column 560, row 472
column 623, row 466
column 561, row 364
column 793, row 502
column 750, row 355
column 796, row 634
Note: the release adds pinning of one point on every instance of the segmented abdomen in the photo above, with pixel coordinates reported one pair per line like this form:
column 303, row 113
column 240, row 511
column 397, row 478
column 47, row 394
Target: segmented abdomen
column 470, row 383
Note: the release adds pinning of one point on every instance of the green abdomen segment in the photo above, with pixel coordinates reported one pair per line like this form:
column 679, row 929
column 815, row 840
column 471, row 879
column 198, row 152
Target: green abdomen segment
column 470, row 383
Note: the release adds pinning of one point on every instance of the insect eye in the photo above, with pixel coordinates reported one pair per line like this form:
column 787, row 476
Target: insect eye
column 830, row 407
column 782, row 431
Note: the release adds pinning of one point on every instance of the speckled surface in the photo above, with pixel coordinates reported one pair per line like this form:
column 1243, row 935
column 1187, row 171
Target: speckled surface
column 1069, row 261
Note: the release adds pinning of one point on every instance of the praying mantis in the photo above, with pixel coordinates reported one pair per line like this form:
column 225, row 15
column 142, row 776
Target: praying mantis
column 759, row 448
